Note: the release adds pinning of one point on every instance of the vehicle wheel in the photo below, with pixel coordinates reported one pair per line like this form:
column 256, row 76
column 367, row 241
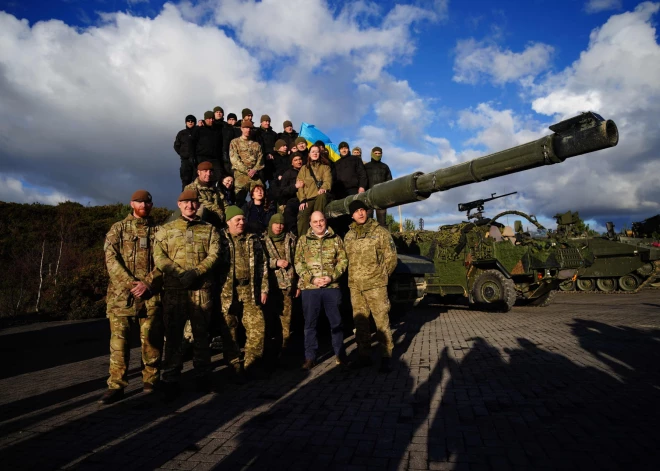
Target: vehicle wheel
column 544, row 300
column 493, row 289
column 568, row 285
column 628, row 283
column 585, row 284
column 646, row 269
column 607, row 285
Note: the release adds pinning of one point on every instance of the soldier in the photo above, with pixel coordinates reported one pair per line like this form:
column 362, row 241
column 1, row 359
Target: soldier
column 288, row 135
column 206, row 143
column 210, row 198
column 181, row 147
column 244, row 279
column 357, row 151
column 246, row 160
column 378, row 172
column 218, row 117
column 314, row 181
column 301, row 147
column 320, row 260
column 186, row 251
column 229, row 132
column 351, row 176
column 133, row 300
column 281, row 247
column 371, row 260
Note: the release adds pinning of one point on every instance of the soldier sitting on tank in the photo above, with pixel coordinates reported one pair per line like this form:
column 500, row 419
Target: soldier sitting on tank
column 210, row 198
column 313, row 183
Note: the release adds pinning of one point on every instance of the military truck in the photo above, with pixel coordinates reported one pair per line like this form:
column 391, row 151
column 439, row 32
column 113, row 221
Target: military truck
column 619, row 266
column 491, row 264
column 587, row 132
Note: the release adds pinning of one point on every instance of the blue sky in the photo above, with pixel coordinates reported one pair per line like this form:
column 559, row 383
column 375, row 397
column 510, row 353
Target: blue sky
column 432, row 82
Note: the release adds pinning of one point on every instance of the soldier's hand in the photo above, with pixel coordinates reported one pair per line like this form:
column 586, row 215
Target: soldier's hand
column 264, row 298
column 360, row 190
column 321, row 191
column 302, row 206
column 326, row 280
column 252, row 172
column 139, row 289
column 300, row 183
column 188, row 278
column 297, row 293
column 282, row 263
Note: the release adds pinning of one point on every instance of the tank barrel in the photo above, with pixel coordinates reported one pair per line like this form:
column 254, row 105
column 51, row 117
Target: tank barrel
column 587, row 132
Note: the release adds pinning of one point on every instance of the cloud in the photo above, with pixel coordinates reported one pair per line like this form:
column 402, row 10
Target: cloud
column 480, row 61
column 92, row 112
column 596, row 6
column 12, row 189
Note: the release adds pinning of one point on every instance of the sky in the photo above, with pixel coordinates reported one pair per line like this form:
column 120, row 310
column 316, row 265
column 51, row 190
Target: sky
column 93, row 92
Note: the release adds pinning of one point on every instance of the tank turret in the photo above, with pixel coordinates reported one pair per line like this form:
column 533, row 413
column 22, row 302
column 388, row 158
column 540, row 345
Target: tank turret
column 579, row 135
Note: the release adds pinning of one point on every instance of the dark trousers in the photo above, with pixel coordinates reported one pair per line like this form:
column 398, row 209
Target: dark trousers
column 381, row 215
column 312, row 301
column 186, row 172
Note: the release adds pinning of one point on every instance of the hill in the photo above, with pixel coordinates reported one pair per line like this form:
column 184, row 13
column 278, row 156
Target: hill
column 52, row 260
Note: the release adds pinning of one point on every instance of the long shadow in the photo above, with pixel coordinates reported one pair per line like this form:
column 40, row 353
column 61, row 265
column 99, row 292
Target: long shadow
column 542, row 410
column 33, row 350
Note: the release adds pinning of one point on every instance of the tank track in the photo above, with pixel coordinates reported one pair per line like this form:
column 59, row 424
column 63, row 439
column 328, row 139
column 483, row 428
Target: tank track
column 650, row 279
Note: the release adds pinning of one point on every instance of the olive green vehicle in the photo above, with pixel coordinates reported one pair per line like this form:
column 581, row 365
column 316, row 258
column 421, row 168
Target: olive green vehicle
column 492, row 264
column 620, row 264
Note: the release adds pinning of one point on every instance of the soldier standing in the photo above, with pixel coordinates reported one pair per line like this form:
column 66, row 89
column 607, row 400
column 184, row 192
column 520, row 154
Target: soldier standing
column 181, row 146
column 246, row 160
column 185, row 252
column 209, row 196
column 320, row 260
column 132, row 297
column 244, row 279
column 206, row 143
column 378, row 172
column 371, row 260
column 281, row 247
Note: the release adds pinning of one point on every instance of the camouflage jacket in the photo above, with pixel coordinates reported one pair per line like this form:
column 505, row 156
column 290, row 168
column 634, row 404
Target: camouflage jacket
column 245, row 155
column 320, row 256
column 371, row 255
column 210, row 199
column 129, row 247
column 258, row 268
column 323, row 175
column 184, row 245
column 283, row 277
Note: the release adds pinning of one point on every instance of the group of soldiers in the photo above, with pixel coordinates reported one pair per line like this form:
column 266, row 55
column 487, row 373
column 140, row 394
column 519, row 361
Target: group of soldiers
column 206, row 268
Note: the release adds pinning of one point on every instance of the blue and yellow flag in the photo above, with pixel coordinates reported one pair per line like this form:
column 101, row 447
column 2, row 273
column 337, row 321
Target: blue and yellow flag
column 311, row 134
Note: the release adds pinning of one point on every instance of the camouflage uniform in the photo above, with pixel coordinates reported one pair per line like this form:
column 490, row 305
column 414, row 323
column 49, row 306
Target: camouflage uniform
column 283, row 280
column 245, row 155
column 211, row 200
column 371, row 260
column 129, row 257
column 181, row 247
column 243, row 276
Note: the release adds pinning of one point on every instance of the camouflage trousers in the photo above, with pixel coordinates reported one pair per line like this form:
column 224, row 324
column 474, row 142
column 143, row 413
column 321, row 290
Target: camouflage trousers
column 151, row 340
column 280, row 305
column 376, row 302
column 244, row 310
column 180, row 305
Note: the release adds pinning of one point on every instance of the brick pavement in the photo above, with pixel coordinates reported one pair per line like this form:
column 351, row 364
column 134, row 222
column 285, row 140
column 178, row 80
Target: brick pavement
column 572, row 386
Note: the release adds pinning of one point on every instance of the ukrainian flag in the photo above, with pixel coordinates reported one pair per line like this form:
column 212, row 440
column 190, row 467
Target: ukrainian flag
column 311, row 134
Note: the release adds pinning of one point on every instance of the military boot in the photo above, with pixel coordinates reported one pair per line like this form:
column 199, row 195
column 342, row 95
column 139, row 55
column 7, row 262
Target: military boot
column 385, row 365
column 308, row 365
column 111, row 396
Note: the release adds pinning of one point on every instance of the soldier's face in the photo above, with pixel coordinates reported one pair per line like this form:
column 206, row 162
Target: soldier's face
column 245, row 132
column 218, row 115
column 318, row 223
column 228, row 182
column 301, row 146
column 296, row 162
column 277, row 228
column 236, row 225
column 288, row 129
column 209, row 122
column 343, row 151
column 247, row 117
column 314, row 153
column 357, row 152
column 141, row 209
column 360, row 216
column 282, row 149
column 265, row 124
column 190, row 124
column 231, row 121
column 188, row 208
column 205, row 176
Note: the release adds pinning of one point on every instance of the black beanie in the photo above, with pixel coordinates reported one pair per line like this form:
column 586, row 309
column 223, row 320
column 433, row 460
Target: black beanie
column 232, row 116
column 343, row 144
column 355, row 205
column 191, row 118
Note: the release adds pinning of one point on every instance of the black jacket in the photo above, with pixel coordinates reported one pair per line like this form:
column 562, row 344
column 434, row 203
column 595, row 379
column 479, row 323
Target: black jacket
column 267, row 138
column 285, row 188
column 350, row 175
column 181, row 142
column 256, row 218
column 289, row 138
column 281, row 163
column 229, row 133
column 206, row 144
column 377, row 172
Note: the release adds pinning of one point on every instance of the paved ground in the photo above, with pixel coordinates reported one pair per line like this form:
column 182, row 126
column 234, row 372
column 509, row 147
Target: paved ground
column 574, row 385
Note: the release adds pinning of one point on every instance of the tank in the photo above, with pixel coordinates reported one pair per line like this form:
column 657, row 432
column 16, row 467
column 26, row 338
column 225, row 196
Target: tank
column 582, row 134
column 618, row 266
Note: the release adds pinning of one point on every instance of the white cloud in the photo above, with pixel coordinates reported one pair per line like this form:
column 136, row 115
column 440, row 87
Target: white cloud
column 596, row 6
column 12, row 189
column 480, row 61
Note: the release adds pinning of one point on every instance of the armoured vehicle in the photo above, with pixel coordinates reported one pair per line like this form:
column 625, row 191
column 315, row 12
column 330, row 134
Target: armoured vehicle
column 618, row 265
column 491, row 264
column 587, row 132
